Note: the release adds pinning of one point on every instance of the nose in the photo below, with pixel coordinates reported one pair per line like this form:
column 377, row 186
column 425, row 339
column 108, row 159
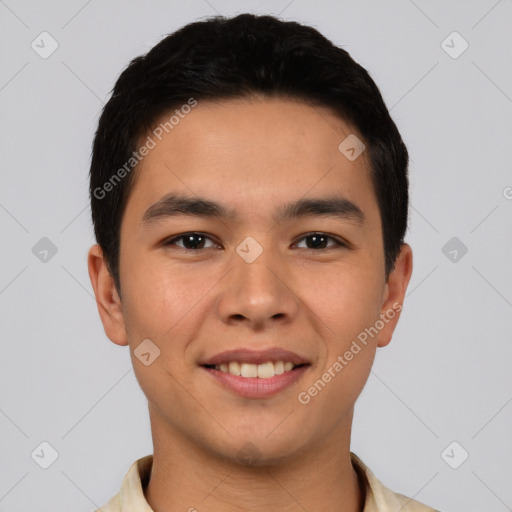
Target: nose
column 258, row 294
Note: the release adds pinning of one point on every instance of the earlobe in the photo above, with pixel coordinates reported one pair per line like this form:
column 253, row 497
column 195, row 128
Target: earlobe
column 393, row 299
column 107, row 298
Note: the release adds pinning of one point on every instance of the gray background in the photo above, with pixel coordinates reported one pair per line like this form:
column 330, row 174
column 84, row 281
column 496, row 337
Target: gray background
column 446, row 375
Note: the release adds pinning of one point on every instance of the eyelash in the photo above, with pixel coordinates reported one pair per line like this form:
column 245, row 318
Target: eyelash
column 339, row 243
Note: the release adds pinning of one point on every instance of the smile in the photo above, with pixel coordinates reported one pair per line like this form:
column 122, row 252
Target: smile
column 255, row 373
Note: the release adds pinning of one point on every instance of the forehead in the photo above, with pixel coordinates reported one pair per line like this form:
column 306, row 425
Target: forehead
column 253, row 154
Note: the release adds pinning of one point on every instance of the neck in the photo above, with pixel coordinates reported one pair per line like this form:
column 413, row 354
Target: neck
column 185, row 477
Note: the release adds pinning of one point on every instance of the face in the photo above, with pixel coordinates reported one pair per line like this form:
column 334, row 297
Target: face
column 249, row 238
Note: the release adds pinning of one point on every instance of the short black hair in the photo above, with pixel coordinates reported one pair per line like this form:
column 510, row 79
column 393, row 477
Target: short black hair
column 226, row 58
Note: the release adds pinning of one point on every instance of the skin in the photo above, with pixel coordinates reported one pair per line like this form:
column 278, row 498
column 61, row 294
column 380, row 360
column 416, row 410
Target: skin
column 251, row 155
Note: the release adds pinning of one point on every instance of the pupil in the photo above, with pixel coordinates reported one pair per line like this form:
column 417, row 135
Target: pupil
column 317, row 240
column 188, row 241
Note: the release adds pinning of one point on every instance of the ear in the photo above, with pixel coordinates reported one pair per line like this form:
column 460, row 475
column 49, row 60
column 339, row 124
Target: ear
column 107, row 298
column 394, row 294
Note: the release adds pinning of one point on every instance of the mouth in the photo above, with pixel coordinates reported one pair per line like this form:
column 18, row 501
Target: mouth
column 252, row 374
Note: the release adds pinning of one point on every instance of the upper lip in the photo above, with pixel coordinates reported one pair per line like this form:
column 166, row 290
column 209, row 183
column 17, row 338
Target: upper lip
column 242, row 355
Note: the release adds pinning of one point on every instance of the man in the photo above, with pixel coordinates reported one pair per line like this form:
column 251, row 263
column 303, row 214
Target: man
column 249, row 196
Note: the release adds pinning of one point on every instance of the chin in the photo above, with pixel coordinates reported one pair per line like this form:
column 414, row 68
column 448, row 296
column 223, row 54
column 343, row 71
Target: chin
column 263, row 450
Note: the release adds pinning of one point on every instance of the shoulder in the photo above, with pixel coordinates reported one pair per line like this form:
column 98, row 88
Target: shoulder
column 131, row 494
column 381, row 499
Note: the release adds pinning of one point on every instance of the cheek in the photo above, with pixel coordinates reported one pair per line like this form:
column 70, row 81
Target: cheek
column 346, row 299
column 153, row 296
column 165, row 303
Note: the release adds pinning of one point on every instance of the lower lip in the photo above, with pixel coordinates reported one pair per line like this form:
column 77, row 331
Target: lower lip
column 253, row 387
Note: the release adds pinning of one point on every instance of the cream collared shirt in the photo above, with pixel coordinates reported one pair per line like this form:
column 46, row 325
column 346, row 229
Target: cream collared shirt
column 378, row 497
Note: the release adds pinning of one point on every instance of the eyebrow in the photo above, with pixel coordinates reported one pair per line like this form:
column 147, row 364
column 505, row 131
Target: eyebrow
column 175, row 205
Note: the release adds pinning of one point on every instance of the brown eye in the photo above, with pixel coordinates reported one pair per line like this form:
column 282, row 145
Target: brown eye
column 319, row 241
column 191, row 241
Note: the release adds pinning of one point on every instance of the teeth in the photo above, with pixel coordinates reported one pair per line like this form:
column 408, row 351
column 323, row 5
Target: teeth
column 265, row 371
column 262, row 371
column 248, row 370
column 278, row 367
column 234, row 368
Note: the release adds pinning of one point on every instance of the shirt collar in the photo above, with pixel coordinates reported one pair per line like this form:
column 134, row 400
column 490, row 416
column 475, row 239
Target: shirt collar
column 378, row 498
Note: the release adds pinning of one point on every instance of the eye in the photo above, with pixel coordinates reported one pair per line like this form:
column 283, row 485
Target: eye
column 318, row 241
column 192, row 241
